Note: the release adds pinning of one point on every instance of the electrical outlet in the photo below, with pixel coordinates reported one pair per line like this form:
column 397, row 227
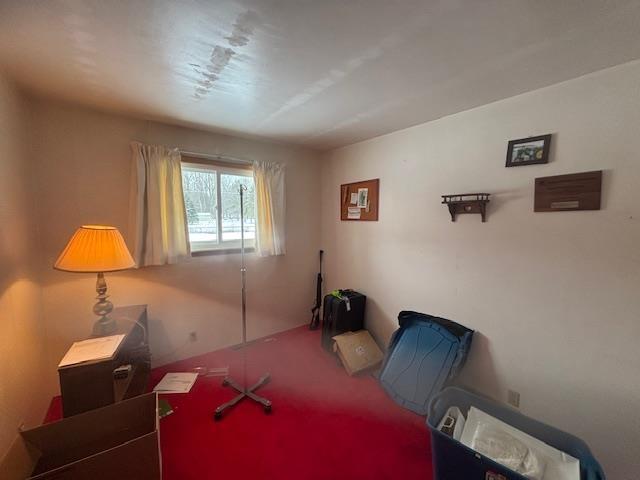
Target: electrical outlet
column 193, row 336
column 513, row 398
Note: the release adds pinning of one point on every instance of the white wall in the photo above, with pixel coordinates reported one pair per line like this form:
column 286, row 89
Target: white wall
column 83, row 159
column 554, row 297
column 23, row 397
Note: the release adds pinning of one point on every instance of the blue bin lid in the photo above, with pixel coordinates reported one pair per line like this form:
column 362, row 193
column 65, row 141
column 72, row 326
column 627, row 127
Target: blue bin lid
column 423, row 354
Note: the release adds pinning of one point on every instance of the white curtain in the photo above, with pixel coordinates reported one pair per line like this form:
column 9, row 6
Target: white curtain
column 158, row 216
column 270, row 208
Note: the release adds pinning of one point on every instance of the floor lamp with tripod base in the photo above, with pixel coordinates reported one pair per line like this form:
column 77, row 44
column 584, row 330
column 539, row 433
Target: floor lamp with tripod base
column 243, row 390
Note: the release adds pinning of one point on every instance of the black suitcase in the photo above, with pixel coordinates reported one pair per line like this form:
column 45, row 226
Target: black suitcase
column 340, row 315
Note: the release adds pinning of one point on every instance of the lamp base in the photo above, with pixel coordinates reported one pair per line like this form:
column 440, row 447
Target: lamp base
column 104, row 326
column 103, row 307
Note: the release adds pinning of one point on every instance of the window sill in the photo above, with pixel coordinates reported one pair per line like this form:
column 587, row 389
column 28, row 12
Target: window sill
column 221, row 251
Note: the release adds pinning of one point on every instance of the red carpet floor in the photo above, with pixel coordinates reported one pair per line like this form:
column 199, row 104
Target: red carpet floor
column 325, row 425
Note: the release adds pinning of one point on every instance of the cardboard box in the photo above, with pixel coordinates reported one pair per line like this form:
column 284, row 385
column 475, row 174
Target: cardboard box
column 117, row 441
column 358, row 351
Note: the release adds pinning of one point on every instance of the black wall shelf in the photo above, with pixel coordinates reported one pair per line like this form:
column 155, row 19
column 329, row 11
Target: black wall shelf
column 467, row 203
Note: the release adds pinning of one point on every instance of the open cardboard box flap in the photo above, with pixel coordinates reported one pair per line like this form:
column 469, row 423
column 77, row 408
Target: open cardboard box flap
column 117, row 441
column 358, row 351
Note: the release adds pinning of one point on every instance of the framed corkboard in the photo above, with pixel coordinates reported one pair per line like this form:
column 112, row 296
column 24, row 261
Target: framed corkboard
column 359, row 201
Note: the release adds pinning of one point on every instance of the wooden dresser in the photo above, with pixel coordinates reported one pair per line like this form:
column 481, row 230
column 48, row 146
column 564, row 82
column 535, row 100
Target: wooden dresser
column 92, row 385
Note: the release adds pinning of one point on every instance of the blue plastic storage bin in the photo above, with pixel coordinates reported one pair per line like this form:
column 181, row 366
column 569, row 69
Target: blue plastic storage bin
column 454, row 461
column 424, row 353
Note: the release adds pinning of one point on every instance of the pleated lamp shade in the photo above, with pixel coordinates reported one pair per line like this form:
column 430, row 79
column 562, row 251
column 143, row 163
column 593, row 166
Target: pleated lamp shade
column 95, row 249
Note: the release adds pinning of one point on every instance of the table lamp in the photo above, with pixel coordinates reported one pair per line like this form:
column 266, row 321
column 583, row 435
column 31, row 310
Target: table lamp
column 97, row 249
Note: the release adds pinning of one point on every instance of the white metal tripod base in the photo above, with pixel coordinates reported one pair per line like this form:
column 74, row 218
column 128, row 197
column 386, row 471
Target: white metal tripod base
column 244, row 393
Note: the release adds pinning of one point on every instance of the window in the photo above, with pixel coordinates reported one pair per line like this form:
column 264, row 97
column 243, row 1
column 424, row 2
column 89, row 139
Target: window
column 212, row 201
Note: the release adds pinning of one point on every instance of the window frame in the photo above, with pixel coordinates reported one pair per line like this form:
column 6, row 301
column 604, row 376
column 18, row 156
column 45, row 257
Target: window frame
column 220, row 168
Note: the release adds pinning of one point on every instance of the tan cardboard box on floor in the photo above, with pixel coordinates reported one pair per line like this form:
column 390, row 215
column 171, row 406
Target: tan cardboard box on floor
column 358, row 351
column 117, row 441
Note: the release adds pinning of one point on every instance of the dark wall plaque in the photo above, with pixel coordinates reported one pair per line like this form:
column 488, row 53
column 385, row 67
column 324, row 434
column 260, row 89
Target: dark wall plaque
column 561, row 193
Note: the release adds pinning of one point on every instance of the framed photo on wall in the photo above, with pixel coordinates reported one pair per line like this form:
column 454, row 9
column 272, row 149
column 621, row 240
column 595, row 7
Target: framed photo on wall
column 528, row 151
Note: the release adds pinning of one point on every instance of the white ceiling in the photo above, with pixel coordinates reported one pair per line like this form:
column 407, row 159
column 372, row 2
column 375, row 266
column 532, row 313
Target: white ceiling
column 322, row 73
